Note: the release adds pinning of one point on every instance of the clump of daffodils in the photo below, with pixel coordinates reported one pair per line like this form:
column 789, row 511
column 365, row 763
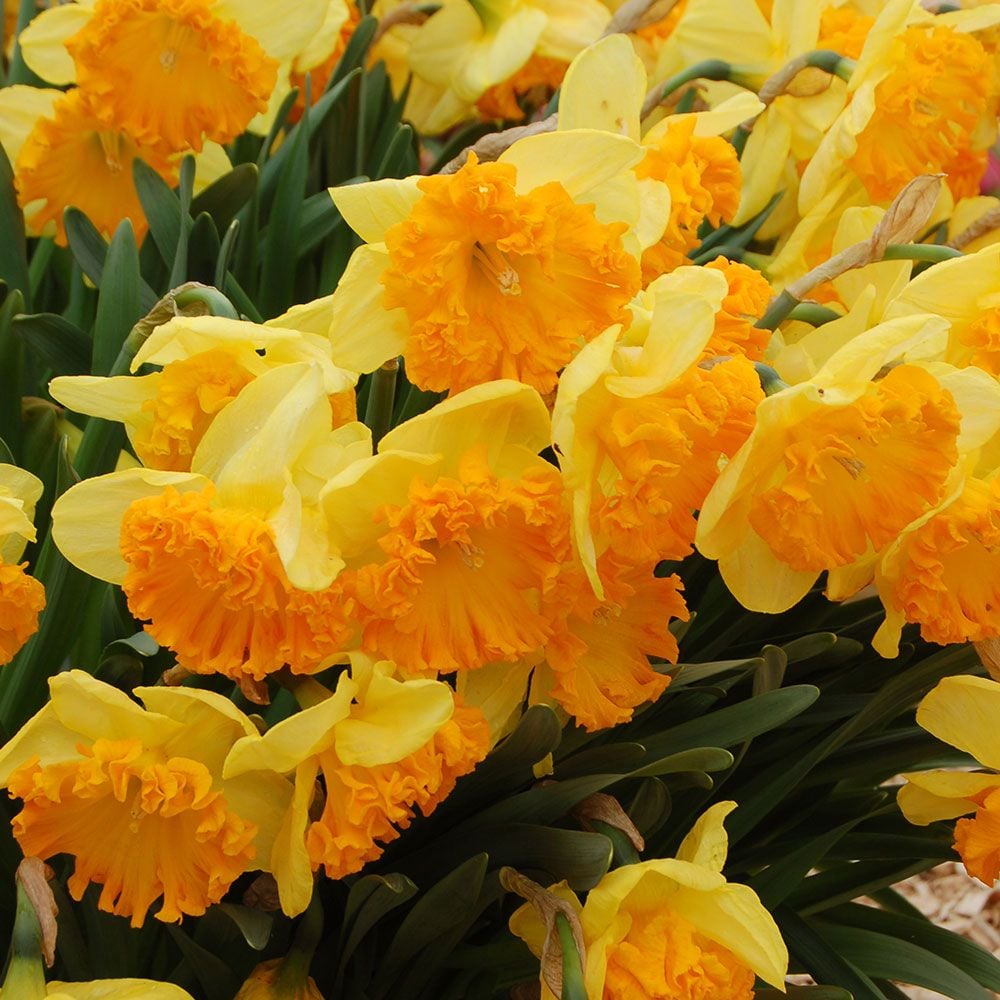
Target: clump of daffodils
column 658, row 321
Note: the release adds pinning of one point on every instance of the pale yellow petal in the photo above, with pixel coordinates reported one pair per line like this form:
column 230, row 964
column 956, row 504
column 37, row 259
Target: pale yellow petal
column 763, row 163
column 587, row 101
column 977, row 396
column 963, row 711
column 20, row 109
column 496, row 56
column 759, row 580
column 264, row 799
column 324, row 41
column 283, row 29
column 735, row 917
column 43, row 737
column 308, row 317
column 707, row 843
column 97, row 710
column 372, row 208
column 117, row 989
column 86, row 519
column 932, row 795
column 185, row 336
column 301, row 736
column 395, row 719
column 571, row 25
column 120, row 397
column 211, row 164
column 363, row 333
column 580, row 160
column 497, row 414
column 498, row 690
column 444, row 41
column 290, row 862
column 43, row 42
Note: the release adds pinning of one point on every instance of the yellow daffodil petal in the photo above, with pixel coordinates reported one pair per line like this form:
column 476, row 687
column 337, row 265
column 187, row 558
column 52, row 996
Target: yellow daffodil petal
column 98, row 711
column 586, row 100
column 726, row 116
column 184, row 336
column 284, row 746
column 977, row 396
column 363, row 333
column 498, row 690
column 86, row 519
column 442, row 44
column 212, row 723
column 308, row 317
column 759, row 580
column 395, row 719
column 252, row 442
column 351, row 499
column 707, row 843
column 654, row 212
column 580, row 160
column 498, row 413
column 283, row 30
column 118, row 989
column 43, row 42
column 732, row 30
column 44, row 736
column 963, row 711
column 929, row 796
column 264, row 798
column 372, row 208
column 211, row 164
column 290, row 862
column 571, row 25
column 763, row 163
column 119, row 397
column 497, row 55
column 20, row 108
column 734, row 917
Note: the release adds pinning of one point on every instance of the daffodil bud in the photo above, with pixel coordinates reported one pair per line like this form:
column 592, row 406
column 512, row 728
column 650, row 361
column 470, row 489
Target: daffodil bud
column 279, row 979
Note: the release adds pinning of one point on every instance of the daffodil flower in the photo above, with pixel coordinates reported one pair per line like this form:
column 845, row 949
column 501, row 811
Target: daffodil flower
column 114, row 989
column 654, row 928
column 689, row 172
column 205, row 362
column 137, row 796
column 229, row 563
column 65, row 154
column 455, row 533
column 22, row 597
column 837, row 466
column 962, row 711
column 384, row 746
column 501, row 270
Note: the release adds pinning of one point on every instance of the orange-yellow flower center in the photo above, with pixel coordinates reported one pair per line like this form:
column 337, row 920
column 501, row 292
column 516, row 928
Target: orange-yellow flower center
column 171, row 72
column 927, row 112
column 746, row 301
column 949, row 575
column 211, row 585
column 599, row 653
column 22, row 599
column 661, row 456
column 703, row 176
column 497, row 284
column 854, row 476
column 189, row 393
column 978, row 343
column 978, row 839
column 366, row 807
column 664, row 957
column 844, row 30
column 467, row 563
column 76, row 158
column 536, row 80
column 138, row 824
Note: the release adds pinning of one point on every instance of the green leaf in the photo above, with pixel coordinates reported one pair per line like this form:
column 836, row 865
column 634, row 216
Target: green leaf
column 728, row 726
column 179, row 267
column 370, row 899
column 612, row 758
column 883, row 956
column 280, row 251
column 118, row 306
column 579, row 857
column 90, row 250
column 807, row 944
column 437, row 911
column 59, row 344
column 771, row 672
column 13, row 246
column 214, row 975
column 203, row 250
column 698, row 759
column 11, row 355
column 224, row 198
column 161, row 207
column 254, row 925
column 650, row 808
column 968, row 956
